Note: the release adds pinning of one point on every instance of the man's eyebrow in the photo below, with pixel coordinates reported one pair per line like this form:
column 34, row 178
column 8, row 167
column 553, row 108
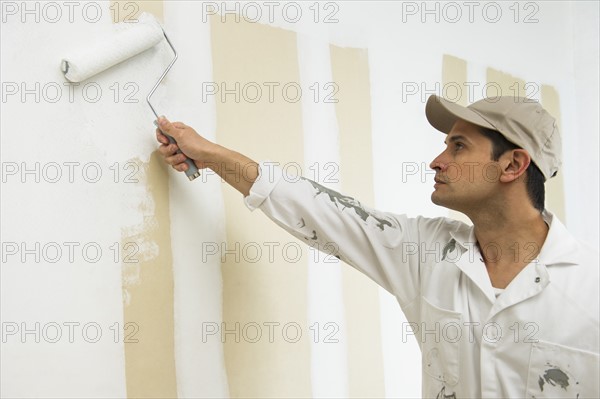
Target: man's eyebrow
column 456, row 138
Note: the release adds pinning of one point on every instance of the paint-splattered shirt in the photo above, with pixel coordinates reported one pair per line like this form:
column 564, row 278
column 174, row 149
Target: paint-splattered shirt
column 539, row 338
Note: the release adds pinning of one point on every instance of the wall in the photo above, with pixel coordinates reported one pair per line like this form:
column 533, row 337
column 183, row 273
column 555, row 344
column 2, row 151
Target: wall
column 122, row 279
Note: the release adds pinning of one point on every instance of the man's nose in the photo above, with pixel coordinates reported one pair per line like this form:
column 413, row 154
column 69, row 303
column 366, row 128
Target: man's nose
column 438, row 164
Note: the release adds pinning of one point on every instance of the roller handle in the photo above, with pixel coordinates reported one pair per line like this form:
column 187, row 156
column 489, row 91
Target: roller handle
column 192, row 171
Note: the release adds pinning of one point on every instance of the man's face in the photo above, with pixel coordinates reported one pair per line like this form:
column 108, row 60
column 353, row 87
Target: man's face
column 466, row 177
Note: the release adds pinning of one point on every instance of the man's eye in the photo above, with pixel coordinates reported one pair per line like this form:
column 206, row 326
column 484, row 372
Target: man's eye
column 458, row 146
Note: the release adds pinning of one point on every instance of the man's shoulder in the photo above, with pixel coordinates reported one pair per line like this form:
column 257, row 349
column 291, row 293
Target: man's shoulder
column 575, row 274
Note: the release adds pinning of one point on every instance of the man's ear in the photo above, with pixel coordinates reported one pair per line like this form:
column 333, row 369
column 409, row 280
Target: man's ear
column 514, row 163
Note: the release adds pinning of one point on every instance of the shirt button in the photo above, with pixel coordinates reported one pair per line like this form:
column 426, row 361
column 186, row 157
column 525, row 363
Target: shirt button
column 537, row 279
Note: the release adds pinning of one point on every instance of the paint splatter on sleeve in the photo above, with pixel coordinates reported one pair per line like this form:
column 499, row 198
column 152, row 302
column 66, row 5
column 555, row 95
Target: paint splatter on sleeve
column 344, row 202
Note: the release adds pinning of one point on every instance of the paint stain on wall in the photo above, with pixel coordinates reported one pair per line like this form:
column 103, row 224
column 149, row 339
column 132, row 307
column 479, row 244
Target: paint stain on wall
column 148, row 290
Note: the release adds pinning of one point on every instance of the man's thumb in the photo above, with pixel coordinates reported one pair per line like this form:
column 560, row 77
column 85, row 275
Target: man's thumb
column 165, row 125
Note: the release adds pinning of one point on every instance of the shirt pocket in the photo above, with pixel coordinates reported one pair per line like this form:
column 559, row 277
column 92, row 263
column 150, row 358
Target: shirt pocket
column 441, row 331
column 558, row 371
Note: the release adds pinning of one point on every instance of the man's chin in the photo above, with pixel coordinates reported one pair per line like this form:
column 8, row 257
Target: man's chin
column 438, row 199
column 435, row 198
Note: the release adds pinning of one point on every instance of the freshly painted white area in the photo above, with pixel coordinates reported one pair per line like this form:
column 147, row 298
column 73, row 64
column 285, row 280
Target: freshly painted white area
column 581, row 153
column 402, row 149
column 197, row 214
column 60, row 291
column 329, row 369
column 81, row 136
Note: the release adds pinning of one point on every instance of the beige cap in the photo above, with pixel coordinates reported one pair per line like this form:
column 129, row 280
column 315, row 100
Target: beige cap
column 521, row 121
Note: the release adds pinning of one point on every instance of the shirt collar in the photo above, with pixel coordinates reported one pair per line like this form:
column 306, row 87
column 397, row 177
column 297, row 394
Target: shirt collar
column 560, row 246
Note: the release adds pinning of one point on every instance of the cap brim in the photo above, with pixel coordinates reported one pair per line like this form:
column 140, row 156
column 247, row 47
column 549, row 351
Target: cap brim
column 442, row 114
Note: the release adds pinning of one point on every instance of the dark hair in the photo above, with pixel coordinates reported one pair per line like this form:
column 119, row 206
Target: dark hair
column 535, row 178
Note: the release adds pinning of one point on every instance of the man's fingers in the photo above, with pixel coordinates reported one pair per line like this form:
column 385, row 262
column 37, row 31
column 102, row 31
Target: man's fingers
column 165, row 151
column 161, row 137
column 168, row 150
column 175, row 159
column 181, row 167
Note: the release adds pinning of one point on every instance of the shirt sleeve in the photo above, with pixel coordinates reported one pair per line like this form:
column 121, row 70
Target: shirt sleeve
column 383, row 246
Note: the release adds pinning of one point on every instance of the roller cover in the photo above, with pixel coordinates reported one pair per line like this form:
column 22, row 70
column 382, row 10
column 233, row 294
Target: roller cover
column 130, row 39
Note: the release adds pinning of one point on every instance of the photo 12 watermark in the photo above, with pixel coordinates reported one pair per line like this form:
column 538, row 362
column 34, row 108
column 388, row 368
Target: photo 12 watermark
column 469, row 252
column 471, row 91
column 318, row 12
column 269, row 92
column 292, row 172
column 69, row 252
column 454, row 331
column 269, row 252
column 53, row 332
column 253, row 332
column 53, row 12
column 70, row 92
column 452, row 12
column 72, row 172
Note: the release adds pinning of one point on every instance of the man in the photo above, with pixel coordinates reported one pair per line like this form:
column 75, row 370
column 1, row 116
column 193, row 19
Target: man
column 505, row 308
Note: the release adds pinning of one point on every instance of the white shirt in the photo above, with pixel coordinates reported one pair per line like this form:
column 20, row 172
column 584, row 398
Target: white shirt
column 539, row 338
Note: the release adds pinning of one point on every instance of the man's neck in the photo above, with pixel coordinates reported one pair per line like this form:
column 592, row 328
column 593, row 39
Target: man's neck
column 509, row 239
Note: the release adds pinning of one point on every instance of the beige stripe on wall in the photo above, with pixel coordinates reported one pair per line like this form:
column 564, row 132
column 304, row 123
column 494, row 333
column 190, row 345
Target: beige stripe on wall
column 501, row 83
column 148, row 292
column 555, row 191
column 148, row 285
column 262, row 291
column 350, row 70
column 454, row 75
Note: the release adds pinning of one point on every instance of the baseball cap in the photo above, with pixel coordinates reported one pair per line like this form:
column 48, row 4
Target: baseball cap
column 522, row 121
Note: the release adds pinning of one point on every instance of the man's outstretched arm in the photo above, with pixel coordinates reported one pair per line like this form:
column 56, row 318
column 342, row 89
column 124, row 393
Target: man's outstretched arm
column 329, row 221
column 234, row 168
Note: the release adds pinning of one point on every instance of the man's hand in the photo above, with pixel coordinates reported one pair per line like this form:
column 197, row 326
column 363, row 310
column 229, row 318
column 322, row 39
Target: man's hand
column 234, row 168
column 191, row 144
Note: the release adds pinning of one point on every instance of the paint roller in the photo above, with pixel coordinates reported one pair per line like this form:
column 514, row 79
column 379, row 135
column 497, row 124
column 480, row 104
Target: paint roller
column 131, row 40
